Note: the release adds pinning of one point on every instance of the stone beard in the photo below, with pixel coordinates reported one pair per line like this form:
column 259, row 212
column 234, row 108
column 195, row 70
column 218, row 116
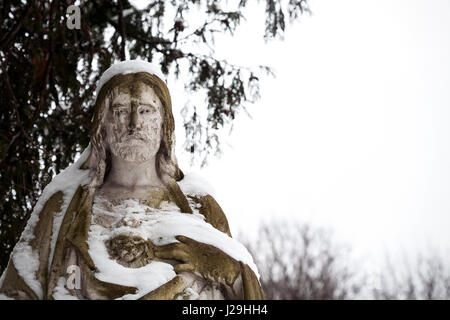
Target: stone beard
column 133, row 123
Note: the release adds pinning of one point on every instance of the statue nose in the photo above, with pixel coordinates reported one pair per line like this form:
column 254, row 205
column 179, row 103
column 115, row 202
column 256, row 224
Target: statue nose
column 133, row 121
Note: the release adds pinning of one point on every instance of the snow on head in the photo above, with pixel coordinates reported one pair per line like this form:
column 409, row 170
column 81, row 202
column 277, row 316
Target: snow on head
column 128, row 66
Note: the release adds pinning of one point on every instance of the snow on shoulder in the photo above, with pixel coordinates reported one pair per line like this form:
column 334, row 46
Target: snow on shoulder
column 128, row 66
column 25, row 259
column 195, row 185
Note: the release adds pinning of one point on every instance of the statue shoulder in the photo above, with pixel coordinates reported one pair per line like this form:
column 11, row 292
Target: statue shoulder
column 200, row 191
column 213, row 213
column 194, row 184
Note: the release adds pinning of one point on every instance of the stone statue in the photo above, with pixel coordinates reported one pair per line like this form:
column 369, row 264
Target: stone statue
column 123, row 222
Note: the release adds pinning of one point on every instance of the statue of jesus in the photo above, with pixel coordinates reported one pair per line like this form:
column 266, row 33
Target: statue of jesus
column 123, row 222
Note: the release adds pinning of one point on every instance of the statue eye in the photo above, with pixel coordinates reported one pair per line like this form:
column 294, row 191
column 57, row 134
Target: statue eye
column 120, row 112
column 146, row 110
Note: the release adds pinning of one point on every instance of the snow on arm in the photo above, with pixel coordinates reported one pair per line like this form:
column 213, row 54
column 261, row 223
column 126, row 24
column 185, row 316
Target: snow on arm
column 25, row 259
column 160, row 227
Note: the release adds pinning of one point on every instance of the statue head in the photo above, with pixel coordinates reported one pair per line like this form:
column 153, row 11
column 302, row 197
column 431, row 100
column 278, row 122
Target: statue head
column 133, row 120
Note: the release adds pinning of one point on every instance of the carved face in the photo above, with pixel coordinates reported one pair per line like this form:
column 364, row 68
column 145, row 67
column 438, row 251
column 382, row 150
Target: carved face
column 133, row 123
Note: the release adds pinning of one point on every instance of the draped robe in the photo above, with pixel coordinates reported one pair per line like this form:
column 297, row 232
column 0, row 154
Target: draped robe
column 56, row 238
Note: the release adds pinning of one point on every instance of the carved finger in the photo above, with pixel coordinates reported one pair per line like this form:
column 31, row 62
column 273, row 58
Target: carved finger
column 174, row 254
column 185, row 239
column 171, row 247
column 183, row 267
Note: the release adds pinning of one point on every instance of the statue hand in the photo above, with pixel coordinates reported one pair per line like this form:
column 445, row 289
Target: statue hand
column 204, row 259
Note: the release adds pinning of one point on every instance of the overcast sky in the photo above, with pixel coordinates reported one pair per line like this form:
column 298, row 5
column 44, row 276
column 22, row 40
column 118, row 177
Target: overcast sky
column 353, row 133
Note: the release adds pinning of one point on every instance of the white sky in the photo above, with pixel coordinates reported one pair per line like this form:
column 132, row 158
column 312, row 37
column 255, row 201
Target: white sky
column 353, row 133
